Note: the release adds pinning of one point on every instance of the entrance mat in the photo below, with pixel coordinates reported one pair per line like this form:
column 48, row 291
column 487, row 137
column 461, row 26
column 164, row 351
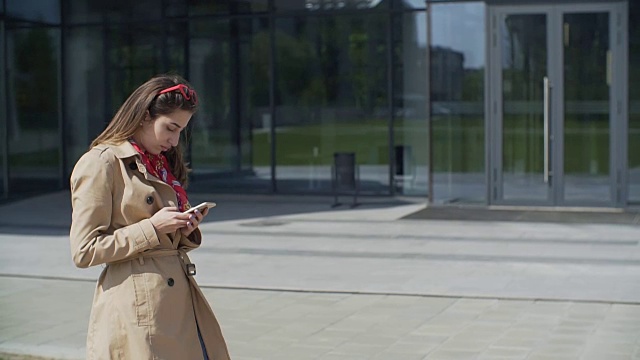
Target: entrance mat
column 552, row 216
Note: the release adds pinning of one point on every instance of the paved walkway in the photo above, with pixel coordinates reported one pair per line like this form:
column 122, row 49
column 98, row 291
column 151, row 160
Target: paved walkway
column 291, row 278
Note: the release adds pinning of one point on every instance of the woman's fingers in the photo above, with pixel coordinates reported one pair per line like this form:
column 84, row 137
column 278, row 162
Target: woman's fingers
column 191, row 220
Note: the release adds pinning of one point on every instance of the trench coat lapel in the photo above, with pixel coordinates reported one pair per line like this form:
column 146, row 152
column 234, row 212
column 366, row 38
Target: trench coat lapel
column 126, row 150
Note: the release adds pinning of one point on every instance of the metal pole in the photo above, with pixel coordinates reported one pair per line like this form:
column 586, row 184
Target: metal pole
column 3, row 100
column 390, row 106
column 428, row 104
column 61, row 107
column 272, row 93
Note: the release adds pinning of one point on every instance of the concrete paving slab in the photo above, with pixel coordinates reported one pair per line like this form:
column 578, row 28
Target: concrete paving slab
column 337, row 283
column 478, row 337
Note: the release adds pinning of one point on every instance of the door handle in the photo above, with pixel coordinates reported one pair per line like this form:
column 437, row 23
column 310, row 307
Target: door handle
column 546, row 115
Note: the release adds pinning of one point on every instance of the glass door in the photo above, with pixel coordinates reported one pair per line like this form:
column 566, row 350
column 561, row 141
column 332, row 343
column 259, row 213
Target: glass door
column 585, row 105
column 524, row 153
column 555, row 105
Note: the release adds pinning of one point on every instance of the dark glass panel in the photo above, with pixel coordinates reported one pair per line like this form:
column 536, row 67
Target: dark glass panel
column 44, row 11
column 634, row 101
column 411, row 137
column 313, row 6
column 138, row 52
column 83, row 11
column 33, row 111
column 207, row 7
column 524, row 67
column 409, row 4
column 229, row 64
column 84, row 90
column 122, row 10
column 175, row 8
column 3, row 114
column 331, row 98
column 457, row 102
column 587, row 57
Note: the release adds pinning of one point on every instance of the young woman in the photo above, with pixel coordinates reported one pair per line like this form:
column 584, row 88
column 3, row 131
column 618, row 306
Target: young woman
column 128, row 201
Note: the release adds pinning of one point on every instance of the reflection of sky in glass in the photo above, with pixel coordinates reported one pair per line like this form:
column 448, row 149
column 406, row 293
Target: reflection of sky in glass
column 35, row 10
column 414, row 4
column 460, row 27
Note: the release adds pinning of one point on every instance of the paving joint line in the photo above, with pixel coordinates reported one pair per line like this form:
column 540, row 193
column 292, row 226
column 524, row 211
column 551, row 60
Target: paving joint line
column 515, row 240
column 349, row 292
column 422, row 256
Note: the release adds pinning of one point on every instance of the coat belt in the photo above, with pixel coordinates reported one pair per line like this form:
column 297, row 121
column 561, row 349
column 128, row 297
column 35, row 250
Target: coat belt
column 187, row 265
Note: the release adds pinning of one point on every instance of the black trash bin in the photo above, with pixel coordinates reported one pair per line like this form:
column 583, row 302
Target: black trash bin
column 404, row 166
column 345, row 176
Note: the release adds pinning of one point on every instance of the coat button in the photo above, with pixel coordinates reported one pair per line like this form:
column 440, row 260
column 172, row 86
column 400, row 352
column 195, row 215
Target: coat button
column 133, row 166
column 170, row 282
column 149, row 199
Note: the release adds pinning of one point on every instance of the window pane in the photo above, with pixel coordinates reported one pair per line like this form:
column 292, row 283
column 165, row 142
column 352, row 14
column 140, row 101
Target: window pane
column 3, row 114
column 33, row 109
column 120, row 10
column 45, row 11
column 83, row 11
column 457, row 102
column 523, row 66
column 231, row 148
column 411, row 146
column 208, row 7
column 409, row 4
column 136, row 53
column 84, row 90
column 331, row 98
column 634, row 102
column 586, row 107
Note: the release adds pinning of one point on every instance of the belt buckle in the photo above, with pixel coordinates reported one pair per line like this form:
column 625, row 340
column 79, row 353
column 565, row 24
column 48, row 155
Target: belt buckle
column 191, row 269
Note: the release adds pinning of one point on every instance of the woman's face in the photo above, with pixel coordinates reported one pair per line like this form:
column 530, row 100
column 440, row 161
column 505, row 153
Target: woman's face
column 163, row 133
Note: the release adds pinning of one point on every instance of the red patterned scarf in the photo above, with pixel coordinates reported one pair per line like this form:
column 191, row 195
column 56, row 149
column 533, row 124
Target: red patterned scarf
column 158, row 166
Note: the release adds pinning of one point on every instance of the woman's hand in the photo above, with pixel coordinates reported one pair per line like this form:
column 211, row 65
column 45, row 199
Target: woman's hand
column 169, row 219
column 195, row 218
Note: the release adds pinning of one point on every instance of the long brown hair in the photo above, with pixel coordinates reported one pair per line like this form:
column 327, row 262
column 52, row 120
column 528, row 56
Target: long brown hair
column 134, row 111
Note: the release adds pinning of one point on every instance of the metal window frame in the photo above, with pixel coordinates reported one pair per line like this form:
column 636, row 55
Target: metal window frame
column 4, row 135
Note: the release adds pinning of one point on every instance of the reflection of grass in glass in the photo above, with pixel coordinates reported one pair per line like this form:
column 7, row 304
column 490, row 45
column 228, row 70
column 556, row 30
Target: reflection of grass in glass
column 458, row 143
column 210, row 152
column 522, row 144
column 586, row 145
column 302, row 145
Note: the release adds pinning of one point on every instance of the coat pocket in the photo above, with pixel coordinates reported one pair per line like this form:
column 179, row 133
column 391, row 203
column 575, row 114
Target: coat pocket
column 142, row 301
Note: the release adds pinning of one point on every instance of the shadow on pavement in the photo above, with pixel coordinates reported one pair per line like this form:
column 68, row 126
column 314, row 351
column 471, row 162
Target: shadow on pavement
column 50, row 214
column 553, row 216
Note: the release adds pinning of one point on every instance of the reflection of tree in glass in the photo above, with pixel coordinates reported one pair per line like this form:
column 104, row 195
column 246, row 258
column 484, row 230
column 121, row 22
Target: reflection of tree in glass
column 324, row 62
column 360, row 81
column 292, row 59
column 36, row 84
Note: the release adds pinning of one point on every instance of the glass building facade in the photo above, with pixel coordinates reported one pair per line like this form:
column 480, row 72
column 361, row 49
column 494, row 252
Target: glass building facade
column 469, row 102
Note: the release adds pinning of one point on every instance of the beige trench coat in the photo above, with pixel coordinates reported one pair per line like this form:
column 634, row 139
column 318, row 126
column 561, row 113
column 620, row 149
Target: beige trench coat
column 145, row 306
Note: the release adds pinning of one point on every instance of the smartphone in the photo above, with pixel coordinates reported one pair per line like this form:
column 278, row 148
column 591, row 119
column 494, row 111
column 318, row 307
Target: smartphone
column 200, row 207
